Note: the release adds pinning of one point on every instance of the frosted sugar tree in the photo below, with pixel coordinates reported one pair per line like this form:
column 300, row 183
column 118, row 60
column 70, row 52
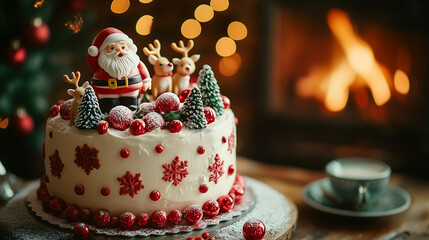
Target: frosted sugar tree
column 192, row 112
column 88, row 111
column 210, row 92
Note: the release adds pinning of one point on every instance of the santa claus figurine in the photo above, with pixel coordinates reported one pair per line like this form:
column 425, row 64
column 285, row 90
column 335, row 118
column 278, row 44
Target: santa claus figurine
column 119, row 75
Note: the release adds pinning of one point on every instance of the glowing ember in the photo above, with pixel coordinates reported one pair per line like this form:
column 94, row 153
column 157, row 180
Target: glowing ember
column 75, row 24
column 38, row 3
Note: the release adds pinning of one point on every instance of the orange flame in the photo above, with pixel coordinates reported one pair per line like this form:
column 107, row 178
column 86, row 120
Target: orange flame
column 75, row 24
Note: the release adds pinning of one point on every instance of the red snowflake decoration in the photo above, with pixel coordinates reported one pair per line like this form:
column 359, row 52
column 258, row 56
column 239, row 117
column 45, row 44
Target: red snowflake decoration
column 87, row 158
column 176, row 171
column 231, row 142
column 217, row 169
column 56, row 164
column 131, row 184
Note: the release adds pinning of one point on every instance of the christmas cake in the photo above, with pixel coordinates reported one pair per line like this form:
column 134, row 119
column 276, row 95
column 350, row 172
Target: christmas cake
column 116, row 156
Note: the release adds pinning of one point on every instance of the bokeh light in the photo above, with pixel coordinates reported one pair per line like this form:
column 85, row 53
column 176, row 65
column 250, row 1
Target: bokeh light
column 145, row 1
column 219, row 5
column 228, row 66
column 120, row 6
column 191, row 28
column 4, row 122
column 225, row 47
column 204, row 13
column 237, row 30
column 144, row 25
column 38, row 3
column 401, row 82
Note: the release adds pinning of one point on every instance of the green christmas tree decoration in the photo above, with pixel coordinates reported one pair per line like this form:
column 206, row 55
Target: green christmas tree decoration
column 210, row 92
column 88, row 111
column 192, row 112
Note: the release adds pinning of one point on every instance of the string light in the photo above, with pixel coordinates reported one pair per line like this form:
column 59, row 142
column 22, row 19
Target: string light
column 229, row 66
column 225, row 47
column 191, row 28
column 204, row 13
column 145, row 1
column 401, row 82
column 144, row 25
column 237, row 30
column 38, row 3
column 219, row 5
column 120, row 6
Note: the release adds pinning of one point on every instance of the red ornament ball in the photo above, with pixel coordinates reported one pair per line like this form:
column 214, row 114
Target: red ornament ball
column 102, row 127
column 175, row 216
column 153, row 121
column 127, row 219
column 190, row 238
column 23, row 123
column 125, row 153
column 159, row 218
column 155, row 195
column 79, row 189
column 226, row 203
column 65, row 109
column 120, row 117
column 137, row 127
column 183, row 95
column 175, row 126
column 210, row 114
column 146, row 108
column 142, row 219
column 159, row 148
column 239, row 180
column 81, row 230
column 203, row 188
column 226, row 102
column 102, row 218
column 201, row 150
column 55, row 109
column 205, row 235
column 167, row 102
column 56, row 205
column 211, row 208
column 237, row 191
column 254, row 229
column 199, row 238
column 85, row 215
column 38, row 33
column 231, row 170
column 105, row 191
column 193, row 213
column 16, row 57
column 72, row 213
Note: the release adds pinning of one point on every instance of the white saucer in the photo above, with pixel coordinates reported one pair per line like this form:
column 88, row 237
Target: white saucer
column 396, row 200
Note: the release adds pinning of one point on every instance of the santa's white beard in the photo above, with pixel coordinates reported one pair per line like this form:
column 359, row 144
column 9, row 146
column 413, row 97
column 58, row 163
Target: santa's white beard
column 118, row 67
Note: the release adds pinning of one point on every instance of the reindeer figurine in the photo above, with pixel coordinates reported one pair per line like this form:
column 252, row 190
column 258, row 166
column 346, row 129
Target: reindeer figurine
column 76, row 93
column 162, row 81
column 185, row 66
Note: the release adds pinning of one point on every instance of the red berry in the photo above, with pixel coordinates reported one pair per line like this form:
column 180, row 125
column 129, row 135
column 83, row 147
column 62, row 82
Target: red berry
column 211, row 208
column 142, row 219
column 120, row 117
column 137, row 127
column 175, row 216
column 158, row 218
column 239, row 180
column 254, row 229
column 113, row 221
column 183, row 95
column 79, row 189
column 204, row 188
column 175, row 126
column 72, row 213
column 190, row 238
column 210, row 114
column 65, row 109
column 102, row 218
column 212, row 238
column 125, row 153
column 226, row 102
column 167, row 102
column 153, row 121
column 56, row 205
column 155, row 195
column 159, row 148
column 85, row 215
column 223, row 139
column 199, row 238
column 102, row 127
column 201, row 150
column 193, row 213
column 231, row 170
column 105, row 191
column 226, row 203
column 127, row 219
column 205, row 235
column 146, row 108
column 238, row 192
column 55, row 109
column 81, row 230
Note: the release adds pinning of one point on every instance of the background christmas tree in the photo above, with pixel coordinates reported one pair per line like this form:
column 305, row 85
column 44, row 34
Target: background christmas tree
column 210, row 92
column 88, row 111
column 192, row 112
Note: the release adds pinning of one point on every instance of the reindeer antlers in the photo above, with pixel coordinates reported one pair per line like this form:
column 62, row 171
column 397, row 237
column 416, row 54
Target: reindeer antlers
column 74, row 80
column 182, row 49
column 153, row 50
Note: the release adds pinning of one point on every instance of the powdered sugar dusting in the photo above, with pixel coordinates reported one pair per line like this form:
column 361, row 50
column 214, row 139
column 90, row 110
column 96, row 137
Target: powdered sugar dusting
column 153, row 120
column 146, row 108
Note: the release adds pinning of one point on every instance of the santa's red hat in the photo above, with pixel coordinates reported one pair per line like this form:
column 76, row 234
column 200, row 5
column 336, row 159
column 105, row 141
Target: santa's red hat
column 104, row 38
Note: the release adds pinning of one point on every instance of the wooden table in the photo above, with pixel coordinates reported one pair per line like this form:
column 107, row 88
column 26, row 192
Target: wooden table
column 312, row 224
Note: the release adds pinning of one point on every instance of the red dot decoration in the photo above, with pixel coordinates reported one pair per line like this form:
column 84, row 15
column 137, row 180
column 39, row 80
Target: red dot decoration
column 85, row 215
column 201, row 150
column 193, row 213
column 254, row 229
column 142, row 219
column 159, row 218
column 72, row 213
column 101, row 218
column 127, row 219
column 211, row 208
column 159, row 148
column 79, row 189
column 81, row 230
column 226, row 203
column 231, row 170
column 223, row 139
column 125, row 153
column 105, row 191
column 56, row 205
column 205, row 235
column 204, row 188
column 50, row 134
column 175, row 216
column 155, row 195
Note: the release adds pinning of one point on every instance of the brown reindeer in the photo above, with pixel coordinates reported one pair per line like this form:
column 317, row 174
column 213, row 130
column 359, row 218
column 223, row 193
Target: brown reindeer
column 161, row 81
column 76, row 93
column 184, row 67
